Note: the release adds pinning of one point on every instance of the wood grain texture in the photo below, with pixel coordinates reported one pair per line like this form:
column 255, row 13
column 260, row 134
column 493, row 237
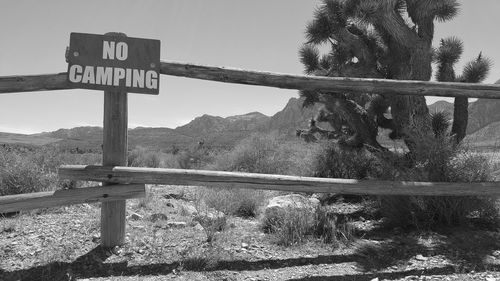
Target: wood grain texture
column 28, row 201
column 342, row 84
column 275, row 182
column 114, row 152
column 31, row 83
column 11, row 84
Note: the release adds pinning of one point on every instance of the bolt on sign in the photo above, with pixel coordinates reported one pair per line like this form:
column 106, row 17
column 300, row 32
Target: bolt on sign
column 114, row 63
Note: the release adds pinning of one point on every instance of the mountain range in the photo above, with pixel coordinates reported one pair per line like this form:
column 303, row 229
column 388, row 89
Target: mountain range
column 226, row 132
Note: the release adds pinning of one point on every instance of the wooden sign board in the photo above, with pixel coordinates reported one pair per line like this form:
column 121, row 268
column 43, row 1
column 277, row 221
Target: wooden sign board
column 114, row 63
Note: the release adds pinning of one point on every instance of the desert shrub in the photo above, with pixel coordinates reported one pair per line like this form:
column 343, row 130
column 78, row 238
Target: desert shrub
column 199, row 258
column 34, row 169
column 335, row 162
column 257, row 154
column 234, row 201
column 211, row 220
column 328, row 228
column 20, row 174
column 211, row 224
column 438, row 159
column 268, row 154
column 142, row 157
column 195, row 157
column 434, row 158
column 169, row 160
column 292, row 226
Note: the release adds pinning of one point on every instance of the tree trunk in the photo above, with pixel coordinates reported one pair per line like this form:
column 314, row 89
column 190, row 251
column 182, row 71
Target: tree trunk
column 460, row 118
column 410, row 113
column 357, row 118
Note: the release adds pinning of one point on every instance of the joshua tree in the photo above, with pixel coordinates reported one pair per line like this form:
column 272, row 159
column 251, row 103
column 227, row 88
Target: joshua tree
column 388, row 39
column 475, row 71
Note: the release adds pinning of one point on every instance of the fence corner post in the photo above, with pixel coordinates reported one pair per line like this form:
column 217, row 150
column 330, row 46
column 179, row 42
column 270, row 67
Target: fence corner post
column 114, row 153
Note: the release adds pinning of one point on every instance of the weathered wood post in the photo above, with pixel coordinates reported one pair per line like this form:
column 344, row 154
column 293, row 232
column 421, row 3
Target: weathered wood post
column 114, row 153
column 116, row 64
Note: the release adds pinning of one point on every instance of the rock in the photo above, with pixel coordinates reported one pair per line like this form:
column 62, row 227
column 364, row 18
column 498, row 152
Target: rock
column 279, row 204
column 489, row 259
column 374, row 279
column 158, row 216
column 244, row 245
column 176, row 224
column 491, row 279
column 168, row 204
column 135, row 216
column 199, row 227
column 420, row 258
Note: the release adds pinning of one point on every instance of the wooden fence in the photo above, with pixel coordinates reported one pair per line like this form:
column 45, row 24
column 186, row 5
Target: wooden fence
column 120, row 183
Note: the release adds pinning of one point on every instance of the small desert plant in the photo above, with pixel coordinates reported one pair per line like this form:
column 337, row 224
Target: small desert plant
column 21, row 175
column 211, row 224
column 289, row 226
column 211, row 220
column 336, row 162
column 142, row 157
column 330, row 229
column 234, row 201
column 268, row 154
column 199, row 258
column 33, row 169
column 145, row 202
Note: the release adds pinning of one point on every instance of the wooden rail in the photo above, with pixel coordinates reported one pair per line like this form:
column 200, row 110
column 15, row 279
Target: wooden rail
column 274, row 182
column 28, row 201
column 31, row 83
column 12, row 84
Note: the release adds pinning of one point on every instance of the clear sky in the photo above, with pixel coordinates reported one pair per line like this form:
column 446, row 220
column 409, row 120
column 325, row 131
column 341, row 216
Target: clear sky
column 257, row 34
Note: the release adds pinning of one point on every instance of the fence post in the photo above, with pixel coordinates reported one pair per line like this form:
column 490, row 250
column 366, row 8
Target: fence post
column 114, row 153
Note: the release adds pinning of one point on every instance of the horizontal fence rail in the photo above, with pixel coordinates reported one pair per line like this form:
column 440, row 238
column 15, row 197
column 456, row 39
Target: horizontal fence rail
column 274, row 182
column 29, row 201
column 31, row 83
column 339, row 84
column 10, row 84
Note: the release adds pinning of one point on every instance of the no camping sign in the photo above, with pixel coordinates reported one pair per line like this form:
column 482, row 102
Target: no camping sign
column 114, row 63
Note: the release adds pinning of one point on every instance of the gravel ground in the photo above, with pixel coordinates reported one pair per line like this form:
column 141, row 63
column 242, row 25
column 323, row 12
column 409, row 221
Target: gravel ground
column 164, row 243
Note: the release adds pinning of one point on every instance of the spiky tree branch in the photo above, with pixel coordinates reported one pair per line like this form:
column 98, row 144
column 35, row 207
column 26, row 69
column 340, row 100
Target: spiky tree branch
column 373, row 38
column 475, row 71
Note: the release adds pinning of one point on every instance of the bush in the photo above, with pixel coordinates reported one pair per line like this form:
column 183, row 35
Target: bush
column 212, row 223
column 268, row 154
column 195, row 157
column 34, row 169
column 335, row 162
column 439, row 159
column 329, row 229
column 295, row 225
column 436, row 159
column 257, row 154
column 292, row 226
column 141, row 157
column 21, row 174
column 234, row 201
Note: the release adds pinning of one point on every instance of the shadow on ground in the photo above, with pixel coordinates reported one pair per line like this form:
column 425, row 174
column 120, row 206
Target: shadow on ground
column 466, row 250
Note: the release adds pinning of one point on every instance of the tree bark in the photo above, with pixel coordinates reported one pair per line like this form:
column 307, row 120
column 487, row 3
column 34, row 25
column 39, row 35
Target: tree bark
column 460, row 118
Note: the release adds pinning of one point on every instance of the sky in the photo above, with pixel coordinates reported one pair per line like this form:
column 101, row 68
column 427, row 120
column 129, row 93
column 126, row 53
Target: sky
column 255, row 35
